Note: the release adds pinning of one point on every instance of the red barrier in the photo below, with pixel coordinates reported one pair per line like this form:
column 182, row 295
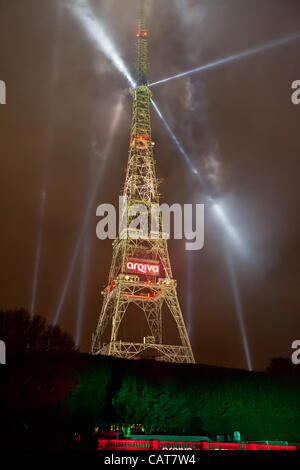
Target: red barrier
column 155, row 444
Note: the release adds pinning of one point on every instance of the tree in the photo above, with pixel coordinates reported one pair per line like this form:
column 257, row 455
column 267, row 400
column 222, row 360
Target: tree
column 283, row 366
column 86, row 403
column 154, row 406
column 23, row 334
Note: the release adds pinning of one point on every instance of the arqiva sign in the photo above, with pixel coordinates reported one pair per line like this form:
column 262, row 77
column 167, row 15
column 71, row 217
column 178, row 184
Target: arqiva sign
column 144, row 268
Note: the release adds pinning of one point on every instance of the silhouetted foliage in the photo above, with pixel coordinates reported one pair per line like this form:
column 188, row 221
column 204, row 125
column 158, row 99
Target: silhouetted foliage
column 195, row 399
column 46, row 395
column 153, row 405
column 283, row 366
column 86, row 403
column 23, row 334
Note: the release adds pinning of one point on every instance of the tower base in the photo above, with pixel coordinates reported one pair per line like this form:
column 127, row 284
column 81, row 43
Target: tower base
column 129, row 350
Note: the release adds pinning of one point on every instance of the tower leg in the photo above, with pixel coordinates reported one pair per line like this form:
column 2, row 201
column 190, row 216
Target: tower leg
column 152, row 311
column 174, row 307
column 105, row 316
column 120, row 307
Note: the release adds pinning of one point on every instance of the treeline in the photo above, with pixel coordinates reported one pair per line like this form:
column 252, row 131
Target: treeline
column 49, row 393
column 191, row 399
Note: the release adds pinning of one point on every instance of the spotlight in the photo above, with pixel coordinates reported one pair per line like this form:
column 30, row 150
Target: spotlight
column 231, row 58
column 92, row 197
column 231, row 231
column 238, row 306
column 96, row 32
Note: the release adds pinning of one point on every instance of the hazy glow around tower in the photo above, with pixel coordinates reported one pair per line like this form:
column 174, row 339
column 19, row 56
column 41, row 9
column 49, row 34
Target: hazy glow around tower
column 231, row 231
column 96, row 32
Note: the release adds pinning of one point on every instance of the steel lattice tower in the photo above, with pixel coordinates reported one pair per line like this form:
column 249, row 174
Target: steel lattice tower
column 127, row 285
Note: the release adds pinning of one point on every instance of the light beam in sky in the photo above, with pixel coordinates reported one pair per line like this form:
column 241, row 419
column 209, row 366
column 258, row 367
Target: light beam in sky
column 231, row 58
column 82, row 289
column 238, row 305
column 183, row 153
column 96, row 32
column 231, row 231
column 48, row 148
column 90, row 208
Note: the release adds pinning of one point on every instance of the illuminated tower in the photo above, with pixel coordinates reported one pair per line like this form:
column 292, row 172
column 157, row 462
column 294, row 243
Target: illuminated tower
column 140, row 276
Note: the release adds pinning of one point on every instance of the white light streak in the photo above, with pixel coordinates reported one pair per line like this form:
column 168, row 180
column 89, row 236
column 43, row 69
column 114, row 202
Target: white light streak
column 96, row 32
column 231, row 58
column 115, row 121
column 227, row 225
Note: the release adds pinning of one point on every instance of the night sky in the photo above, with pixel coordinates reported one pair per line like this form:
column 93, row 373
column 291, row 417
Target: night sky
column 235, row 121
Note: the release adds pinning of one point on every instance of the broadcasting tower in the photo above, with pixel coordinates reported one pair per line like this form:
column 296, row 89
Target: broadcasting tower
column 140, row 277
